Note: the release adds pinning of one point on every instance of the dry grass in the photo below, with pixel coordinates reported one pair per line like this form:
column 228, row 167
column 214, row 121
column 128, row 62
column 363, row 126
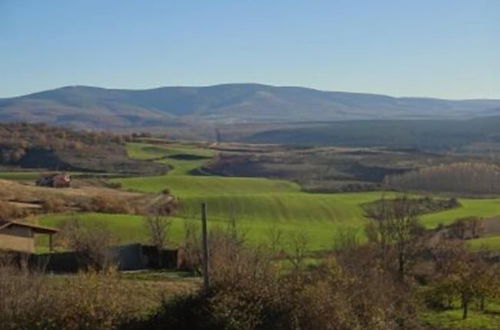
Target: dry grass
column 10, row 210
column 20, row 199
column 83, row 301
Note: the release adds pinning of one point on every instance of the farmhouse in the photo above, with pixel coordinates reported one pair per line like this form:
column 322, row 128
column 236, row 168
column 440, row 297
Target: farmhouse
column 20, row 236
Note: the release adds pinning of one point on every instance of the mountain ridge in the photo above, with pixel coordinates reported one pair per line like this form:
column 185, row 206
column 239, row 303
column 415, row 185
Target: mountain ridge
column 107, row 108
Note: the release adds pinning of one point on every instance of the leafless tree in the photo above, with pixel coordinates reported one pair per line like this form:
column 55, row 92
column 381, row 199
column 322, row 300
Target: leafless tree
column 465, row 177
column 345, row 238
column 275, row 239
column 394, row 227
column 192, row 259
column 158, row 226
column 92, row 244
column 298, row 248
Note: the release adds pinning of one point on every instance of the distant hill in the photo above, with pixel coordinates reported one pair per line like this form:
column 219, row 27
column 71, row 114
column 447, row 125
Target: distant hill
column 55, row 148
column 91, row 107
column 438, row 134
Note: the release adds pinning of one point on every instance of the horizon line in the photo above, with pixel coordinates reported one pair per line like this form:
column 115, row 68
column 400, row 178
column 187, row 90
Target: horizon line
column 249, row 83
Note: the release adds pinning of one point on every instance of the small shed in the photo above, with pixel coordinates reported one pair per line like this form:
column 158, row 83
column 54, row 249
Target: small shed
column 20, row 236
column 127, row 257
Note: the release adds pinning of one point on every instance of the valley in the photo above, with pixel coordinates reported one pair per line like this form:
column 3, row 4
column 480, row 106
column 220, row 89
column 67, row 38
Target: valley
column 258, row 205
column 302, row 202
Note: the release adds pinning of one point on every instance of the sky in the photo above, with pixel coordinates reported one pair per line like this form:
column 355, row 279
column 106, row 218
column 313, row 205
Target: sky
column 434, row 48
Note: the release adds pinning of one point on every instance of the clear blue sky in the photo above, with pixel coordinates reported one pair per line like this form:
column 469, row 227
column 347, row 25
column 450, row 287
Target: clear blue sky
column 442, row 48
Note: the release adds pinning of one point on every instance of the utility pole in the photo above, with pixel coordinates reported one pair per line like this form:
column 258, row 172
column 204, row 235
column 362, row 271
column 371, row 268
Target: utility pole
column 206, row 277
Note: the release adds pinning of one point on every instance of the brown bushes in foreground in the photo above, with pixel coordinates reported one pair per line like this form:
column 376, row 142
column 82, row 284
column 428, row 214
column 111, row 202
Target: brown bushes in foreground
column 91, row 243
column 84, row 301
column 251, row 290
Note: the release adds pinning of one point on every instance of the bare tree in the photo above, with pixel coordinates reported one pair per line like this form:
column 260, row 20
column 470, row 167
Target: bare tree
column 192, row 247
column 91, row 244
column 298, row 249
column 158, row 226
column 394, row 227
column 345, row 238
column 234, row 230
column 275, row 239
column 464, row 177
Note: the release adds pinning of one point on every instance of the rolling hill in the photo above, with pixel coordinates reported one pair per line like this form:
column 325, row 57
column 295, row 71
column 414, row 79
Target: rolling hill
column 425, row 134
column 258, row 205
column 99, row 108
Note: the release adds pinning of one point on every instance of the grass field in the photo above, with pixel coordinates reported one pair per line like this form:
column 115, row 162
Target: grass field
column 20, row 176
column 452, row 319
column 34, row 175
column 491, row 242
column 257, row 204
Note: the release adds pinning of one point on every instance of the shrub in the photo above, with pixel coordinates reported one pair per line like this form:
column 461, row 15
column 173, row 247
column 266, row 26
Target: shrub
column 9, row 211
column 250, row 291
column 92, row 244
column 83, row 301
column 53, row 205
column 105, row 203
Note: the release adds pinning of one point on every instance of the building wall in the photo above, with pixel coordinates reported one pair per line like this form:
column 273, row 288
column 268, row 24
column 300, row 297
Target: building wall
column 127, row 257
column 17, row 239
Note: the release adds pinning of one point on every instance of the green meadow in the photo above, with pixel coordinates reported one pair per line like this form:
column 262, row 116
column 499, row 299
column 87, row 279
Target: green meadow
column 452, row 319
column 20, row 176
column 491, row 242
column 259, row 206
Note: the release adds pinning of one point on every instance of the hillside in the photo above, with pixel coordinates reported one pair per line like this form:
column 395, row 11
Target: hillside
column 41, row 146
column 260, row 205
column 92, row 107
column 417, row 134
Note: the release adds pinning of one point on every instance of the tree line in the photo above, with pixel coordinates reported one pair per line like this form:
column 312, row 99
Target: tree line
column 461, row 178
column 17, row 138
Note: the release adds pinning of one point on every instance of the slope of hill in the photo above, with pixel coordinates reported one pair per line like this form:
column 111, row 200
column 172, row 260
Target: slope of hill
column 41, row 146
column 258, row 205
column 93, row 107
column 419, row 134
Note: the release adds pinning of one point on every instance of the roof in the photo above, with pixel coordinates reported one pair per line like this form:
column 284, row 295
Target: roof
column 36, row 228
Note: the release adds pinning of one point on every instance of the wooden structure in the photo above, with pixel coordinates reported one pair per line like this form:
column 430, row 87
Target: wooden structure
column 125, row 257
column 19, row 236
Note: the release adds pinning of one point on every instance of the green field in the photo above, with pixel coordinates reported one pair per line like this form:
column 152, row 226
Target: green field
column 258, row 205
column 33, row 175
column 452, row 319
column 491, row 242
column 20, row 176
